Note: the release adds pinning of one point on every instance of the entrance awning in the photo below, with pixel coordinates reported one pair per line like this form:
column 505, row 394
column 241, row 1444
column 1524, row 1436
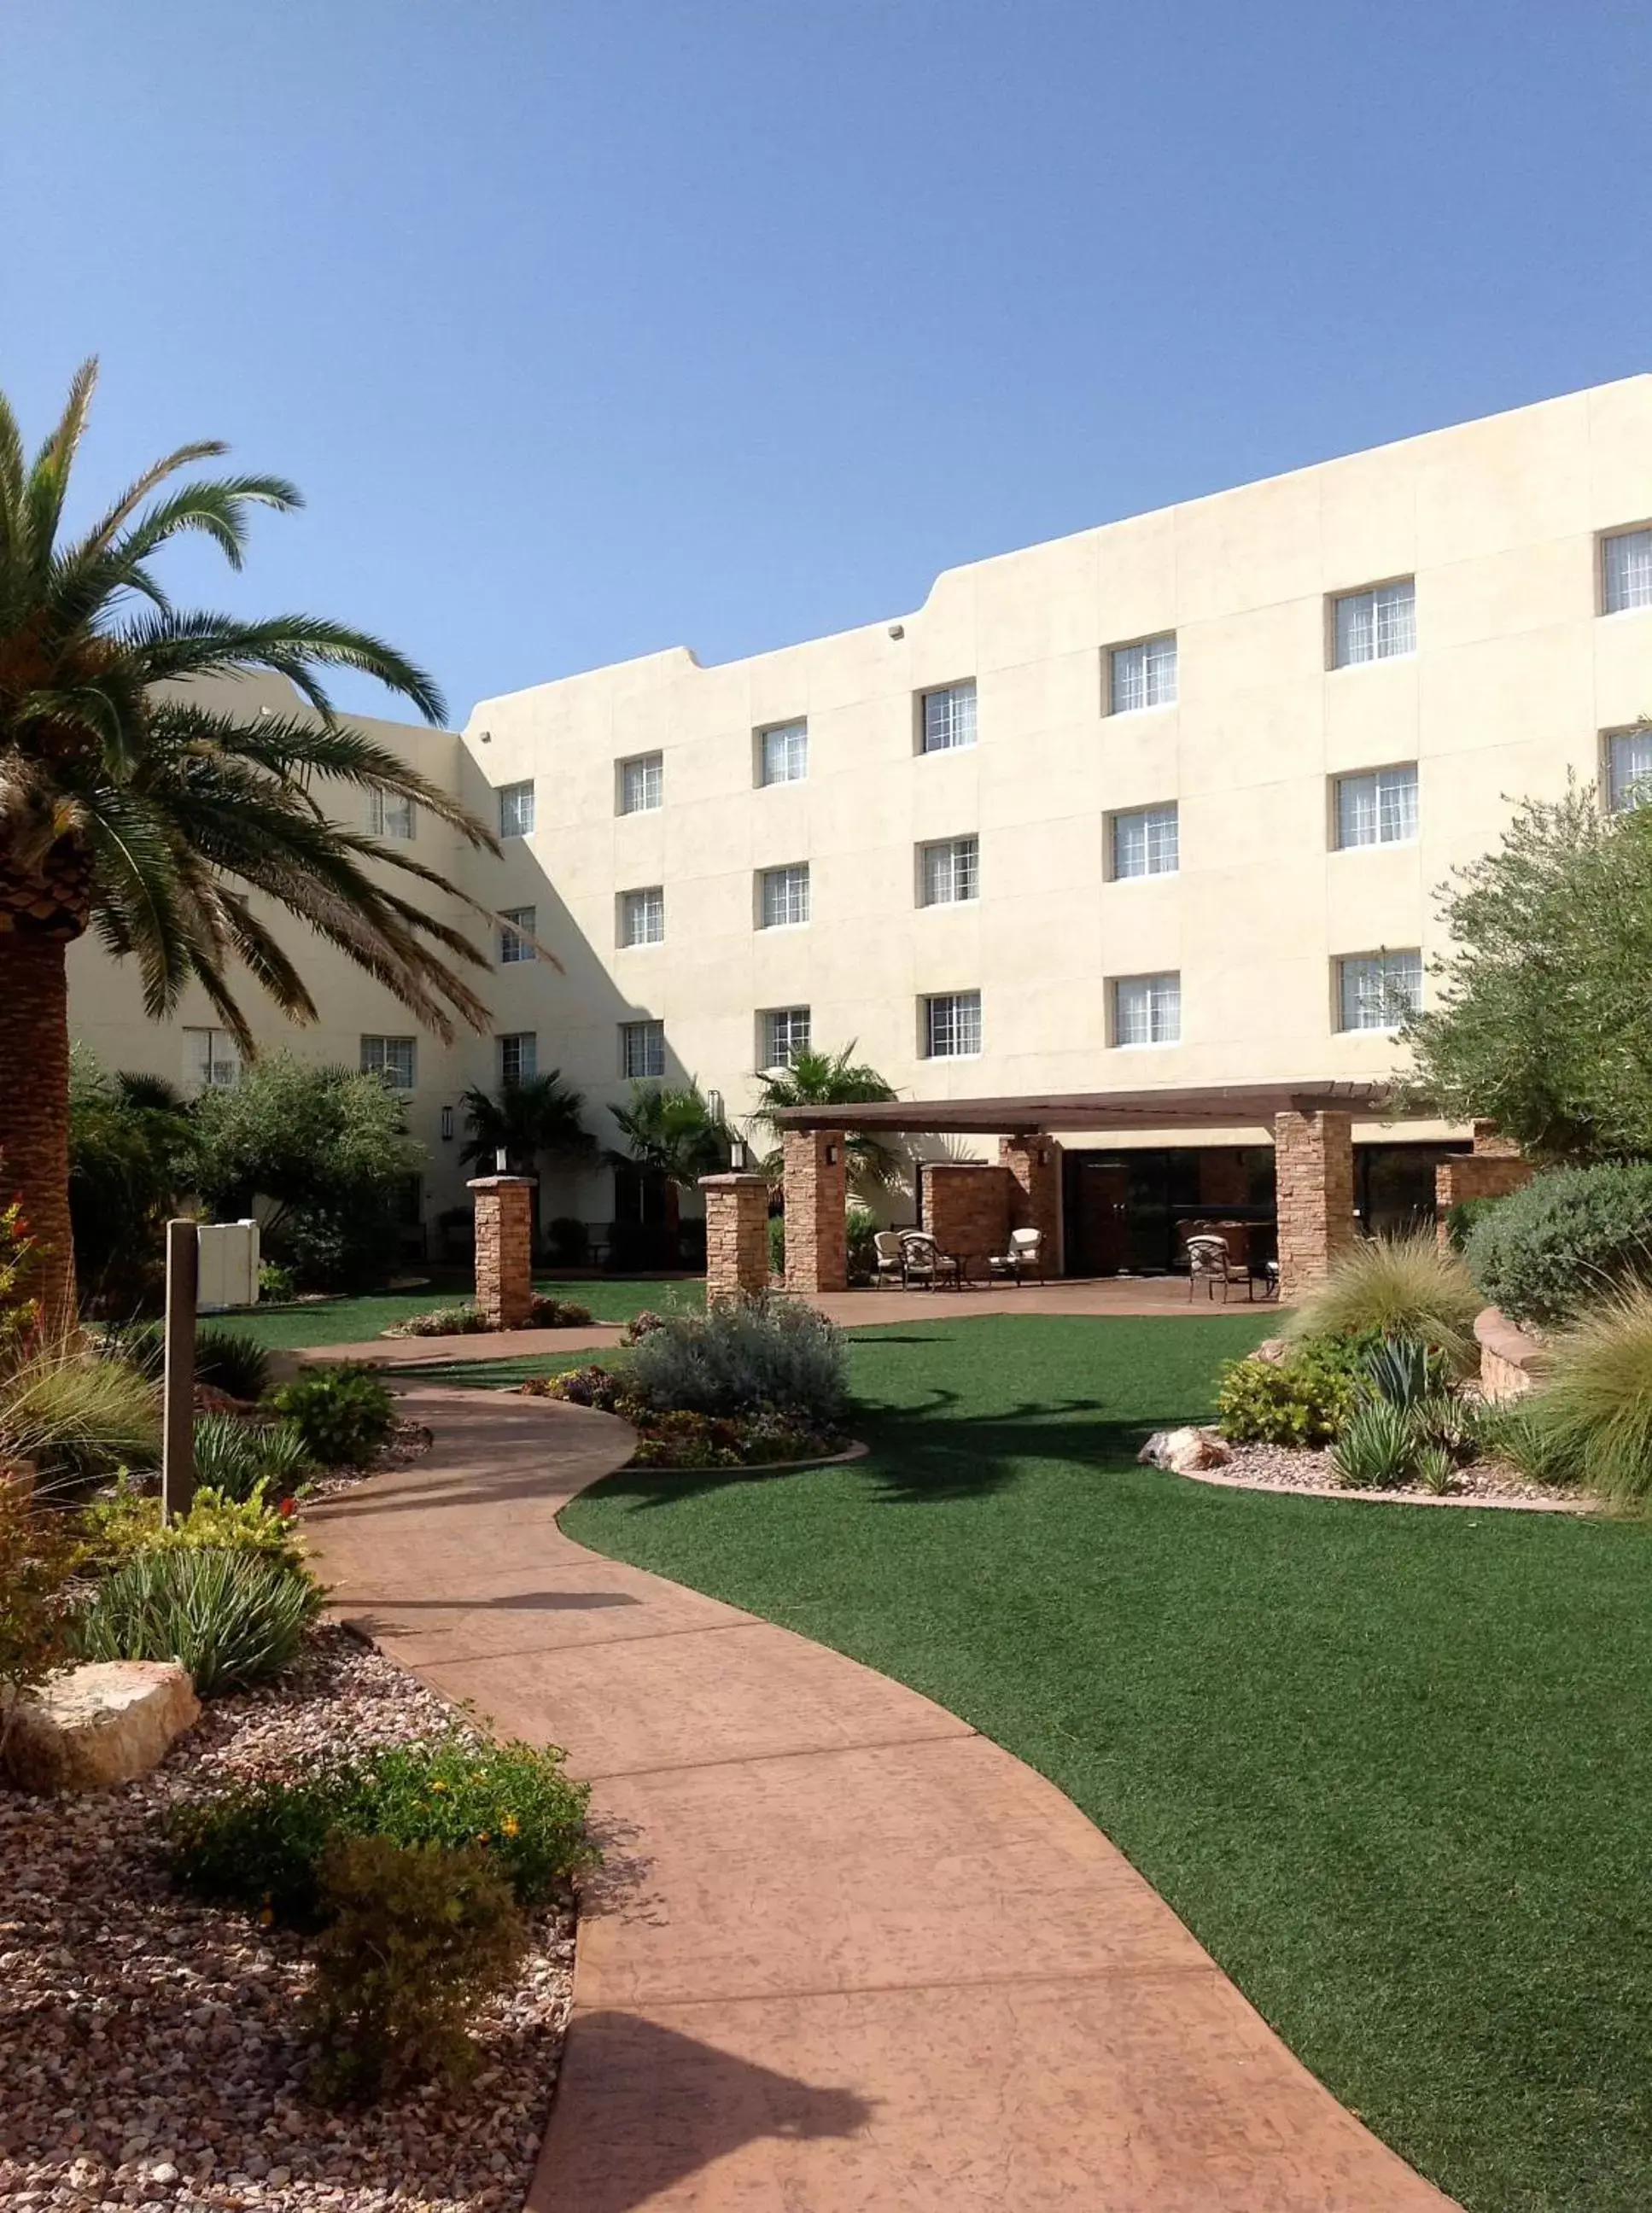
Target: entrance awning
column 1195, row 1106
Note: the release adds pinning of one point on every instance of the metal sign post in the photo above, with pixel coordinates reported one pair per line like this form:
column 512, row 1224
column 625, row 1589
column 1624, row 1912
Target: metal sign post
column 177, row 1392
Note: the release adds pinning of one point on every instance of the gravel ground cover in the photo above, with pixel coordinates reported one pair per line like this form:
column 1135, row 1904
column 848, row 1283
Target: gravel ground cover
column 1482, row 1483
column 148, row 2049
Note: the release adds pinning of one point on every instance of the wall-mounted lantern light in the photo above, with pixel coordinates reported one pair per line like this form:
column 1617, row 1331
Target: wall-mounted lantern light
column 447, row 1121
column 832, row 1157
column 501, row 1163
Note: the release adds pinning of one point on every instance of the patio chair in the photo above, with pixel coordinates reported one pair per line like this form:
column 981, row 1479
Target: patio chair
column 923, row 1262
column 1207, row 1261
column 888, row 1266
column 1026, row 1255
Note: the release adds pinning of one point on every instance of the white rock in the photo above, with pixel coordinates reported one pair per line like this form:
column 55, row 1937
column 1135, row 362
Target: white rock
column 1184, row 1452
column 93, row 1727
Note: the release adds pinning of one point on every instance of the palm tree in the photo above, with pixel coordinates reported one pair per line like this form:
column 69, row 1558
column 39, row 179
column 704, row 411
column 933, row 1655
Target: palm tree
column 134, row 804
column 535, row 1116
column 828, row 1079
column 672, row 1132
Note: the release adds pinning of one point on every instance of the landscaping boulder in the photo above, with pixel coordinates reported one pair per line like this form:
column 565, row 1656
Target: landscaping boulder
column 1275, row 1350
column 93, row 1727
column 1184, row 1452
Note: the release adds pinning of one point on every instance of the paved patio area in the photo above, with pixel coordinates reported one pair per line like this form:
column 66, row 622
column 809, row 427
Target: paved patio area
column 846, row 1956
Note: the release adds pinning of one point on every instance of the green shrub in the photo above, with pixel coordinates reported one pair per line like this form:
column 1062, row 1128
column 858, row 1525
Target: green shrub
column 277, row 1285
column 230, row 1617
column 740, row 1355
column 1400, row 1370
column 36, row 1558
column 1513, row 1429
column 417, row 1938
column 238, row 1458
column 226, row 1359
column 113, row 1530
column 1378, row 1447
column 1462, row 1217
column 78, row 1417
column 1594, row 1415
column 1302, row 1401
column 344, row 1412
column 1435, row 1470
column 1544, row 1253
column 777, row 1244
column 860, row 1227
column 442, row 1321
column 1397, row 1287
column 546, row 1313
column 260, row 1845
column 590, row 1385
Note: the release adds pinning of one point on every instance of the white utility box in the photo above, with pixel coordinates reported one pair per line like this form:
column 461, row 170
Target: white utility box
column 229, row 1264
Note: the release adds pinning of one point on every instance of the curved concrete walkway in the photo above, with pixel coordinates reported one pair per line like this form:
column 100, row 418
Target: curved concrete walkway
column 846, row 1955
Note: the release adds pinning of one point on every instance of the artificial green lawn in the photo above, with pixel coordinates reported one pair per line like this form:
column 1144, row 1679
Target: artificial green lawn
column 351, row 1321
column 1390, row 1763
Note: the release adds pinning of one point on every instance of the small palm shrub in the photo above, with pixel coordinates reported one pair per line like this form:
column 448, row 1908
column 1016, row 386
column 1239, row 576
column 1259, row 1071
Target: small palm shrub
column 1595, row 1416
column 1546, row 1253
column 238, row 1458
column 1303, row 1400
column 77, row 1417
column 231, row 1617
column 260, row 1845
column 343, row 1413
column 740, row 1355
column 1379, row 1447
column 418, row 1937
column 225, row 1358
column 1397, row 1286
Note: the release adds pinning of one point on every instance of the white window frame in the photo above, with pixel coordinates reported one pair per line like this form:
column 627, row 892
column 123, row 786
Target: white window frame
column 949, row 1015
column 1379, row 966
column 640, row 781
column 1633, row 589
column 1386, row 802
column 642, row 1050
column 216, row 1068
column 783, row 896
column 1378, row 622
column 393, row 1060
column 1160, row 853
column 517, row 808
column 521, row 1046
column 642, row 916
column 1159, row 996
column 391, row 817
column 947, row 717
column 782, row 752
column 770, row 1035
column 517, row 925
column 1624, row 744
column 950, row 871
column 1143, row 674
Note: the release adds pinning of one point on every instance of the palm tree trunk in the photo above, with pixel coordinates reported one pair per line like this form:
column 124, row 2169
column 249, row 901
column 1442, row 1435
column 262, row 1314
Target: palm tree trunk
column 34, row 1105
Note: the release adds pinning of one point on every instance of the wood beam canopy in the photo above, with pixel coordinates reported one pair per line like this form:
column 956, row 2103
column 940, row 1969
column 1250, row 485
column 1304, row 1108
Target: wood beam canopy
column 1195, row 1106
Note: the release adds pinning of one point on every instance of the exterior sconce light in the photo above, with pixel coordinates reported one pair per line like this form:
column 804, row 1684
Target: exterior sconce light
column 447, row 1121
column 736, row 1154
column 501, row 1163
column 832, row 1157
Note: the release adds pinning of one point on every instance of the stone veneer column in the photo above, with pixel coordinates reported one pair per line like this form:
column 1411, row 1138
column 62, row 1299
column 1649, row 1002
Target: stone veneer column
column 1313, row 1168
column 966, row 1207
column 1489, row 1143
column 817, row 1204
column 737, row 1236
column 504, row 1249
column 1034, row 1165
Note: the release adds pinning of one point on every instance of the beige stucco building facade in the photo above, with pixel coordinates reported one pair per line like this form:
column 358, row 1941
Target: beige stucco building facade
column 1164, row 802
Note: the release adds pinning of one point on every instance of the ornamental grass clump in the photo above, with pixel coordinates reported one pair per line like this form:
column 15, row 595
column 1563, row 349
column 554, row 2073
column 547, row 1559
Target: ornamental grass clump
column 232, row 1618
column 1593, row 1419
column 77, row 1417
column 1402, row 1287
column 239, row 1459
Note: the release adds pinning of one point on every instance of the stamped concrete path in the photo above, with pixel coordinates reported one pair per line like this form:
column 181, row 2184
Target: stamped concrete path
column 846, row 1956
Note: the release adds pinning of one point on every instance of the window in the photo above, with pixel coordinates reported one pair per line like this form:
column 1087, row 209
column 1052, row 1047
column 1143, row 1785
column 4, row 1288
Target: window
column 1146, row 842
column 952, row 1025
column 1628, row 766
column 519, row 1056
column 946, row 719
column 950, row 871
column 517, row 809
column 642, row 1049
column 211, row 1060
column 1379, row 625
column 1626, row 571
column 642, row 916
column 390, row 817
column 392, row 1059
column 1142, row 675
column 785, row 1034
column 1147, row 1010
column 1377, row 808
column 783, row 900
column 642, row 784
column 517, row 924
column 782, row 754
column 1377, row 991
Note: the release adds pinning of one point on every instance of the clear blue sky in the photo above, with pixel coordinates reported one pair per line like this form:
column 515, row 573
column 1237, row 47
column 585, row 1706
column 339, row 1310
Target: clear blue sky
column 589, row 330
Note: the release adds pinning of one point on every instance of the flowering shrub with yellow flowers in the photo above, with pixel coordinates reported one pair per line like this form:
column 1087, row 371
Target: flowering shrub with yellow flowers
column 262, row 1845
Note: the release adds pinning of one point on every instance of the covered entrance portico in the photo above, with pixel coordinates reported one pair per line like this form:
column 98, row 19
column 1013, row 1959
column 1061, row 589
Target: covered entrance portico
column 973, row 1206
